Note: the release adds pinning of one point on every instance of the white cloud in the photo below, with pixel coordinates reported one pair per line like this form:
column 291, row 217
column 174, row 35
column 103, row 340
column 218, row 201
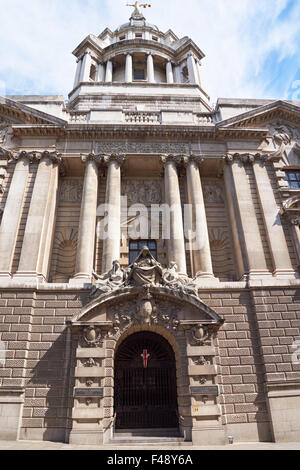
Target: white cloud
column 237, row 36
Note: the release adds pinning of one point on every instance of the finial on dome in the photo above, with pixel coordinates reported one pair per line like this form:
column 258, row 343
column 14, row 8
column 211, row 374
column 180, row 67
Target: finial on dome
column 137, row 14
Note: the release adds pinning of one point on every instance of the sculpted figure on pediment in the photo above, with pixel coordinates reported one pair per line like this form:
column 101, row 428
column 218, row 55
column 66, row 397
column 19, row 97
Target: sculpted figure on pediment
column 109, row 281
column 145, row 270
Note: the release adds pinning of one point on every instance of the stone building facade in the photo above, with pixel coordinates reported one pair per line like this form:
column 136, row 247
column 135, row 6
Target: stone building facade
column 91, row 326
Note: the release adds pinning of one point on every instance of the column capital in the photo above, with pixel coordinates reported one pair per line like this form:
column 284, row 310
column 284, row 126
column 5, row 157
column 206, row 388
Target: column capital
column 33, row 157
column 189, row 159
column 114, row 158
column 245, row 158
column 171, row 158
column 92, row 157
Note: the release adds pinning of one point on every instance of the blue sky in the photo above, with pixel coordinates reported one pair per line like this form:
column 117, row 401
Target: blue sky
column 252, row 47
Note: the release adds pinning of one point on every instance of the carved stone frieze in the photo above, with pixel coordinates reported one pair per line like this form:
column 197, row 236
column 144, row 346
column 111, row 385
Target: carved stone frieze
column 141, row 147
column 70, row 191
column 142, row 191
column 213, row 193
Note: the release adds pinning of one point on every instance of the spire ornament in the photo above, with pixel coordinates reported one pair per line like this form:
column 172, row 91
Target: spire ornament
column 137, row 14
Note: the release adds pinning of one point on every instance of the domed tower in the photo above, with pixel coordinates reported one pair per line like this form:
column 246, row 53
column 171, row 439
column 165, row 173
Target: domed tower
column 140, row 68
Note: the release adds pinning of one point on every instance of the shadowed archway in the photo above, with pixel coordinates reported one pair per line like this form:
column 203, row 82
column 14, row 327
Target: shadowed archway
column 145, row 383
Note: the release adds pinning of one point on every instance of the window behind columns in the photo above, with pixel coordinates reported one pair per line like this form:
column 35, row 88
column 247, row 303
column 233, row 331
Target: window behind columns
column 139, row 74
column 136, row 246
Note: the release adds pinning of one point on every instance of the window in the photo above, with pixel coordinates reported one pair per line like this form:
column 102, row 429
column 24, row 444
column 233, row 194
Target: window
column 293, row 178
column 135, row 247
column 122, row 38
column 139, row 35
column 154, row 38
column 139, row 74
column 93, row 72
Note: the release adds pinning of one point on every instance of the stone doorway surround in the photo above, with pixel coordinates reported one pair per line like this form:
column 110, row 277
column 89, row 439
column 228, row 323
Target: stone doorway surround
column 184, row 321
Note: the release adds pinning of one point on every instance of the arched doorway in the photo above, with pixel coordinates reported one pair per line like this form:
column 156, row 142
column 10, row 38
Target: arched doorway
column 145, row 383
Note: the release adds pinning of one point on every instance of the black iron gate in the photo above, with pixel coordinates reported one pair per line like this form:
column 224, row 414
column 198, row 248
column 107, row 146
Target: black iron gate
column 145, row 383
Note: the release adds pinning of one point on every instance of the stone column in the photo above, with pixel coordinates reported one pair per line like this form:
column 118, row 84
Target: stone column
column 176, row 243
column 177, row 74
column 150, row 69
column 101, row 73
column 193, row 73
column 109, row 71
column 128, row 69
column 248, row 245
column 201, row 252
column 295, row 221
column 86, row 68
column 169, row 72
column 198, row 67
column 270, row 211
column 112, row 238
column 12, row 214
column 35, row 253
column 78, row 70
column 88, row 213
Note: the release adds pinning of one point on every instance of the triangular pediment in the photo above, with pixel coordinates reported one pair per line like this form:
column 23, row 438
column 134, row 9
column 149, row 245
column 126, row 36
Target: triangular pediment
column 16, row 113
column 261, row 115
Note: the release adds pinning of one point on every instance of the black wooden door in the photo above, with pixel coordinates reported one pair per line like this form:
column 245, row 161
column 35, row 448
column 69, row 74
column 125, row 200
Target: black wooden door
column 145, row 383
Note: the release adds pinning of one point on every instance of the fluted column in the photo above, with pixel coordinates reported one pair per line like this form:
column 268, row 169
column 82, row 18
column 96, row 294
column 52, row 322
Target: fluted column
column 35, row 253
column 150, row 69
column 276, row 238
column 249, row 250
column 86, row 68
column 201, row 246
column 88, row 213
column 176, row 243
column 12, row 213
column 109, row 71
column 128, row 69
column 112, row 238
column 169, row 72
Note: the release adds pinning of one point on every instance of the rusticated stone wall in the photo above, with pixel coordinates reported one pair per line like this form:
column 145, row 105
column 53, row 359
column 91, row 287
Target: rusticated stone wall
column 254, row 355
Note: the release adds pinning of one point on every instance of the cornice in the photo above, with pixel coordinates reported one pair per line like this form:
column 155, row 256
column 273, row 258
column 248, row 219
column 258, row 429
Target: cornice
column 88, row 131
column 276, row 109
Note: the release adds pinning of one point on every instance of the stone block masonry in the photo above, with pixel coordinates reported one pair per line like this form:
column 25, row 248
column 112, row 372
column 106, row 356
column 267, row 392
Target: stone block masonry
column 254, row 358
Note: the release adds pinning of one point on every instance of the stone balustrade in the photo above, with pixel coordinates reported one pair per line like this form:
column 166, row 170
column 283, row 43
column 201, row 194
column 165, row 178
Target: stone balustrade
column 142, row 118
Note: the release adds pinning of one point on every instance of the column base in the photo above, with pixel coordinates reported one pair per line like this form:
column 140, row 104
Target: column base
column 5, row 275
column 257, row 274
column 81, row 278
column 204, row 275
column 29, row 276
column 284, row 274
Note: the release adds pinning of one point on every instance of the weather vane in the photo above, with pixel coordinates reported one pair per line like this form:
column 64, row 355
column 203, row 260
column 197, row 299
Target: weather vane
column 137, row 7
